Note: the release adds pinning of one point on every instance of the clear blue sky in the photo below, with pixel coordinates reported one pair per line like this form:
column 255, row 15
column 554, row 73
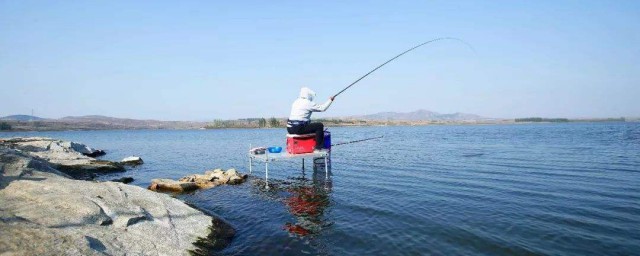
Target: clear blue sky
column 188, row 60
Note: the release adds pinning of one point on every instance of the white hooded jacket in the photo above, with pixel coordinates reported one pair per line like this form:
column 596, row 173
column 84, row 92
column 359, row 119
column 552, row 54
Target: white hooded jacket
column 303, row 106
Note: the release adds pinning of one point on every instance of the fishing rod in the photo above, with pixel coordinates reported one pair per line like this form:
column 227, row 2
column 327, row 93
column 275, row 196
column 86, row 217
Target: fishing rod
column 397, row 56
column 354, row 141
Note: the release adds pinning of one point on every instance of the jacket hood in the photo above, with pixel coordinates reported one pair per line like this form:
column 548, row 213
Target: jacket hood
column 307, row 93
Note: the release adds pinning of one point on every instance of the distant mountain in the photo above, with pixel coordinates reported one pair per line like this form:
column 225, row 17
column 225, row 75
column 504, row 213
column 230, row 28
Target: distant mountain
column 22, row 118
column 127, row 123
column 96, row 122
column 98, row 118
column 421, row 115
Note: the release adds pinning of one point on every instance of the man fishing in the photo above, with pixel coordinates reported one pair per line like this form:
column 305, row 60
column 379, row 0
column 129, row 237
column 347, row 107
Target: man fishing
column 300, row 119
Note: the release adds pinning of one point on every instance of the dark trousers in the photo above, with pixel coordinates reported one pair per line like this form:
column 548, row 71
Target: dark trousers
column 317, row 128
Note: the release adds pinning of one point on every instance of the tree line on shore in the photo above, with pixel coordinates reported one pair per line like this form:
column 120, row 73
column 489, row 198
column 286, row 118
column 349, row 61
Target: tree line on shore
column 271, row 123
column 4, row 126
column 130, row 124
column 246, row 123
column 565, row 120
column 540, row 119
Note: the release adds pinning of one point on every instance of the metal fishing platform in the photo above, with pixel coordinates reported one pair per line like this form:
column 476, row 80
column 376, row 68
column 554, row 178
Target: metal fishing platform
column 284, row 156
column 295, row 149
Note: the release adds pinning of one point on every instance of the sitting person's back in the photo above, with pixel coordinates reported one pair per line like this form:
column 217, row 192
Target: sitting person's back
column 300, row 118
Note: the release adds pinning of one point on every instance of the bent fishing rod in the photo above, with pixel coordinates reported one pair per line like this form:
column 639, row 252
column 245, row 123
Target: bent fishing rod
column 397, row 56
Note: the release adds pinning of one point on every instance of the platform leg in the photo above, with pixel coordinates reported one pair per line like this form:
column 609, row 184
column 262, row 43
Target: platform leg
column 266, row 174
column 326, row 169
column 250, row 165
column 302, row 164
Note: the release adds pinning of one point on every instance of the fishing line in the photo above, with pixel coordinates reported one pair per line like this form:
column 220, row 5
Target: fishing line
column 397, row 56
column 354, row 141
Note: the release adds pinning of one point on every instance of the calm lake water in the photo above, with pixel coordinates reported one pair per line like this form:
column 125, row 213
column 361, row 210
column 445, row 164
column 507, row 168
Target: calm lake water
column 556, row 189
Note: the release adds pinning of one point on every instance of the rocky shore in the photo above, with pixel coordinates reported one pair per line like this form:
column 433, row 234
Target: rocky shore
column 44, row 211
column 69, row 157
column 210, row 179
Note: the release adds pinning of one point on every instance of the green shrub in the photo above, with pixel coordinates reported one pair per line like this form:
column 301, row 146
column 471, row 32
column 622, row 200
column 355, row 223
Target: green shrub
column 4, row 126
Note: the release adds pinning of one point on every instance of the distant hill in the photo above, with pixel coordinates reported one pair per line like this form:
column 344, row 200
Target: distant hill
column 22, row 118
column 89, row 117
column 98, row 118
column 95, row 122
column 127, row 123
column 421, row 115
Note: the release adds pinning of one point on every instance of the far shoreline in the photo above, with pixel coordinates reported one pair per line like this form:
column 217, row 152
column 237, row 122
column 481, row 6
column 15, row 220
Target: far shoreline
column 394, row 124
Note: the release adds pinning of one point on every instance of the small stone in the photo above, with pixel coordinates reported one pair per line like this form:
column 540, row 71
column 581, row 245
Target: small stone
column 96, row 153
column 235, row 180
column 205, row 184
column 190, row 178
column 223, row 180
column 132, row 160
column 201, row 178
column 213, row 174
column 172, row 185
column 231, row 172
column 195, row 178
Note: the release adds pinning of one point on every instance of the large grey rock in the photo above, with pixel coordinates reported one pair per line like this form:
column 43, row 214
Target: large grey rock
column 125, row 180
column 45, row 144
column 44, row 212
column 63, row 155
column 79, row 147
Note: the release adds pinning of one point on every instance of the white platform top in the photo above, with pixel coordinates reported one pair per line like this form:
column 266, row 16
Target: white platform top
column 284, row 155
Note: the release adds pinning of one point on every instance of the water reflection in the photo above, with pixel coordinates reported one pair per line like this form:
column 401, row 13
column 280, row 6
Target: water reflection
column 305, row 196
column 307, row 202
